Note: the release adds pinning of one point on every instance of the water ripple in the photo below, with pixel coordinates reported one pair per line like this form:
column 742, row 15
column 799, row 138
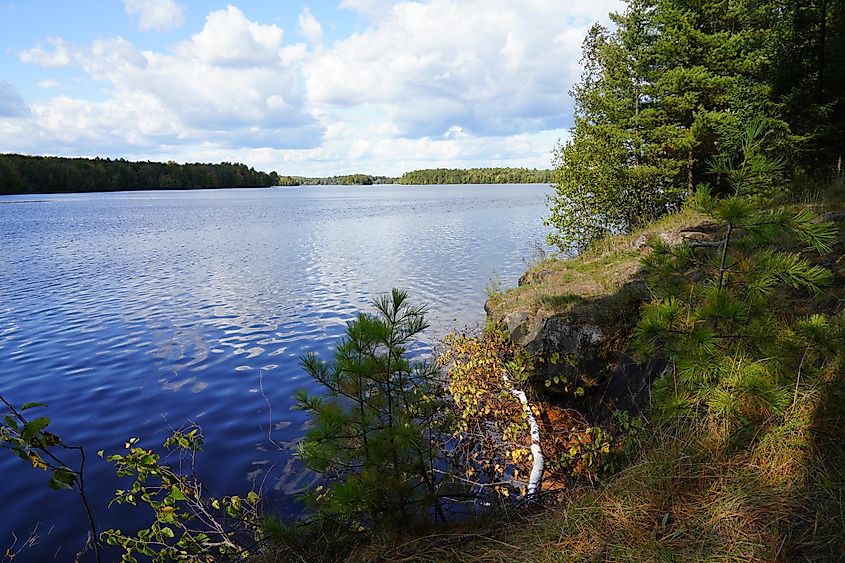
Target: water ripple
column 131, row 313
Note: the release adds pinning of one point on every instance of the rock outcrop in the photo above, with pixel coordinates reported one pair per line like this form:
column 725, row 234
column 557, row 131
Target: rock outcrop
column 577, row 318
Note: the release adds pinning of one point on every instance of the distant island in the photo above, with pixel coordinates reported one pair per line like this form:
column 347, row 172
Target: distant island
column 22, row 174
column 342, row 180
column 477, row 176
column 433, row 176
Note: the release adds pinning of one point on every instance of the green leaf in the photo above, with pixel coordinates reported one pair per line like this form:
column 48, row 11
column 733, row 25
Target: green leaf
column 177, row 494
column 11, row 422
column 32, row 405
column 33, row 427
column 63, row 478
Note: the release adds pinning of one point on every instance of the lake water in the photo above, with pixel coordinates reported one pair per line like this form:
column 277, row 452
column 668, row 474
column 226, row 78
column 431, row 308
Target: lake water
column 131, row 313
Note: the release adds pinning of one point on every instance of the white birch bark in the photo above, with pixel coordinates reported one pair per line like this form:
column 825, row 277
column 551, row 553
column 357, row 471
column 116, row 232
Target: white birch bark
column 536, row 478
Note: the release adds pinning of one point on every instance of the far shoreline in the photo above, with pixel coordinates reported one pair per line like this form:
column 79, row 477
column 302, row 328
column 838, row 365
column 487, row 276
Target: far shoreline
column 306, row 187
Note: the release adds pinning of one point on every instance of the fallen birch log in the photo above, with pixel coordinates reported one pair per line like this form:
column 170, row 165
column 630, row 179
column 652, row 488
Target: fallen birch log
column 536, row 478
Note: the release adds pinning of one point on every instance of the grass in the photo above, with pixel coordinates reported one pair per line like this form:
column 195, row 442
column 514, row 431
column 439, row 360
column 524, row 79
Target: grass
column 554, row 285
column 686, row 498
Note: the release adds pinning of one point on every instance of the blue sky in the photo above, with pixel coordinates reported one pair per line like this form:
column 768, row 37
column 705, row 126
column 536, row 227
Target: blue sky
column 311, row 88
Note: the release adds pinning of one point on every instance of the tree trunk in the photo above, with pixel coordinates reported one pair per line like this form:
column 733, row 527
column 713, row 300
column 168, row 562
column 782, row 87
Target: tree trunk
column 535, row 480
column 821, row 46
column 690, row 182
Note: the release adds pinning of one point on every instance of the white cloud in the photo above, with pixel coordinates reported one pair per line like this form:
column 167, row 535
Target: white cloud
column 233, row 84
column 155, row 15
column 373, row 9
column 60, row 53
column 309, row 27
column 49, row 84
column 11, row 102
column 229, row 38
column 491, row 67
column 436, row 83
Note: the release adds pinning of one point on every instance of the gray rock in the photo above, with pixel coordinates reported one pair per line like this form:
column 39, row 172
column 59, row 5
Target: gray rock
column 671, row 238
column 559, row 334
column 693, row 235
column 517, row 323
column 535, row 277
column 640, row 242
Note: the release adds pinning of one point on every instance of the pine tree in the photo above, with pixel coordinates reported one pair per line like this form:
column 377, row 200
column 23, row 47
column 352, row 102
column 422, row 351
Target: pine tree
column 610, row 175
column 376, row 431
column 670, row 88
column 807, row 42
column 725, row 312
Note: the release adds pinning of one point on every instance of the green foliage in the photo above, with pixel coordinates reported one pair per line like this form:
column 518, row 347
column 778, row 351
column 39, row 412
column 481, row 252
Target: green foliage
column 476, row 176
column 376, row 431
column 745, row 166
column 807, row 39
column 680, row 94
column 723, row 313
column 187, row 526
column 343, row 180
column 30, row 441
column 287, row 181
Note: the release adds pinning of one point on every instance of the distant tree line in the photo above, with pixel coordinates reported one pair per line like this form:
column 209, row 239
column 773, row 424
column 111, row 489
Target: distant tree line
column 20, row 174
column 343, row 180
column 477, row 176
column 46, row 174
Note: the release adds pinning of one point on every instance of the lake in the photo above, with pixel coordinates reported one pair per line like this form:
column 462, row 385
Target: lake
column 131, row 313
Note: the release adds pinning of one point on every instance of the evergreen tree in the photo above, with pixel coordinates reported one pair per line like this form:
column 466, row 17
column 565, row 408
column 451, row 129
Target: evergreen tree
column 660, row 96
column 807, row 42
column 376, row 430
column 610, row 176
column 727, row 314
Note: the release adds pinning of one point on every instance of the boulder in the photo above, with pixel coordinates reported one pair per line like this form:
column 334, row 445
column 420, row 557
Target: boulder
column 532, row 277
column 517, row 324
column 672, row 238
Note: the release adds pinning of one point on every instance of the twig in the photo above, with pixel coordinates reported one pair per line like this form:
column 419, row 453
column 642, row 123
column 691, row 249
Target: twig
column 269, row 410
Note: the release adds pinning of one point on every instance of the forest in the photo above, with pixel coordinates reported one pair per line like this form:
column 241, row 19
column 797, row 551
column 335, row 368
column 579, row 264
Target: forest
column 476, row 176
column 21, row 174
column 666, row 96
column 343, row 180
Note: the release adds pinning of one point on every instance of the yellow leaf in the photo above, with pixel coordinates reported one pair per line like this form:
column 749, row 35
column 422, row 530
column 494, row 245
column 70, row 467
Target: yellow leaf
column 36, row 461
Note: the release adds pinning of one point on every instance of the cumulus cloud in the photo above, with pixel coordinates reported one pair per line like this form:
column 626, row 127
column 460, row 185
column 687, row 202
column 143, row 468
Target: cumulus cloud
column 155, row 15
column 58, row 53
column 491, row 67
column 230, row 39
column 232, row 84
column 309, row 27
column 435, row 83
column 11, row 102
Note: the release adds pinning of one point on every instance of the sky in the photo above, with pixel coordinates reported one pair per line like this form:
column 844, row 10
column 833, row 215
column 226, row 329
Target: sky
column 303, row 88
